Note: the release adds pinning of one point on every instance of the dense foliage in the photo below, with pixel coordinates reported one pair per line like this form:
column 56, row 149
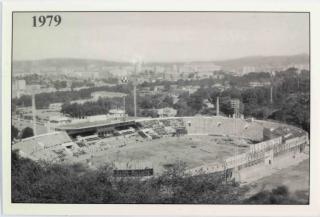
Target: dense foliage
column 102, row 106
column 290, row 98
column 43, row 100
column 44, row 183
column 83, row 83
column 17, row 134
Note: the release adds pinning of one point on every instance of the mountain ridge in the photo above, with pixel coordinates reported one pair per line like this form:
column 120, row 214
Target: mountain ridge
column 254, row 61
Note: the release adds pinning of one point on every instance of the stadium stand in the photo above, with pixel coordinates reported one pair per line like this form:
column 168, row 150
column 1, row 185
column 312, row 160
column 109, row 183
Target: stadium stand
column 49, row 147
column 224, row 126
column 266, row 139
column 164, row 127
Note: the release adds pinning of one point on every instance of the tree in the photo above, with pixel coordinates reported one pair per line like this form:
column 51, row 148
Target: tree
column 166, row 102
column 166, row 86
column 225, row 106
column 14, row 132
column 27, row 132
column 294, row 110
column 60, row 84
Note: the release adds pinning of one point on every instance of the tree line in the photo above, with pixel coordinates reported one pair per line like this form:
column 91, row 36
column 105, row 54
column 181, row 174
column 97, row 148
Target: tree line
column 43, row 100
column 40, row 182
column 101, row 106
column 290, row 98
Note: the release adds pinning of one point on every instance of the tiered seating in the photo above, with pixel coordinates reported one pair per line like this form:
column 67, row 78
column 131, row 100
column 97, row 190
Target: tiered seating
column 224, row 126
column 176, row 123
column 155, row 125
column 165, row 127
column 47, row 155
column 160, row 130
column 150, row 133
column 45, row 146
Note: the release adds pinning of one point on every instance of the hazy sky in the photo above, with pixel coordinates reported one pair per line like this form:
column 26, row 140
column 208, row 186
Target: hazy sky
column 161, row 36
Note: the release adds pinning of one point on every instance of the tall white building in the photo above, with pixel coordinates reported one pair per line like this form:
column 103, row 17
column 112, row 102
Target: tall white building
column 18, row 88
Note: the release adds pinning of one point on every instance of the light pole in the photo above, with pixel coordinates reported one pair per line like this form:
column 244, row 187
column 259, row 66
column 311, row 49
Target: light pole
column 34, row 114
column 135, row 99
column 271, row 86
column 135, row 91
column 137, row 69
column 217, row 107
column 124, row 104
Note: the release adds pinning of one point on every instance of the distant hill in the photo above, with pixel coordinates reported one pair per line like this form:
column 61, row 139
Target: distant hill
column 261, row 61
column 64, row 63
column 252, row 61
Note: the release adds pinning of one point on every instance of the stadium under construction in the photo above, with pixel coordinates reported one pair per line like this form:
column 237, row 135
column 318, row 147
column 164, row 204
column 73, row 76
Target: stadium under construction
column 146, row 147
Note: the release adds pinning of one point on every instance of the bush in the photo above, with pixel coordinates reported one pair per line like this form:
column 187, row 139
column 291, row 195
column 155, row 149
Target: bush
column 27, row 132
column 14, row 132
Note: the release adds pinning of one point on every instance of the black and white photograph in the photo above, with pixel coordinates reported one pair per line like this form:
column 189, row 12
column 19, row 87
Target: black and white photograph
column 160, row 107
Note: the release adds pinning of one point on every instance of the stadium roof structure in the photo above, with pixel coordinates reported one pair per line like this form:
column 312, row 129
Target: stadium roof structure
column 88, row 124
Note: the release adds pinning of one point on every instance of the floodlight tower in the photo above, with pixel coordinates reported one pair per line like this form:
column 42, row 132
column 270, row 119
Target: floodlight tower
column 236, row 169
column 135, row 100
column 137, row 69
column 235, row 104
column 217, row 107
column 271, row 86
column 48, row 126
column 298, row 77
column 135, row 92
column 34, row 114
column 124, row 104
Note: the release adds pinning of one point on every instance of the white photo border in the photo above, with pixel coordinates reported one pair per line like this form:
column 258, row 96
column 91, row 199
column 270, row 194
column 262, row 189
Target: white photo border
column 311, row 7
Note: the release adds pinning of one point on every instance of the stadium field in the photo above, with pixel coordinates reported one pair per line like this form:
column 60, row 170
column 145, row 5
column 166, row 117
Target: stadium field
column 161, row 153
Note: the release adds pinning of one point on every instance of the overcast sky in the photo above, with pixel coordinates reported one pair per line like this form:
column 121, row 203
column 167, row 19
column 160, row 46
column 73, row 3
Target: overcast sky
column 161, row 36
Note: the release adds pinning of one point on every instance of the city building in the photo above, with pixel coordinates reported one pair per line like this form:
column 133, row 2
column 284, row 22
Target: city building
column 56, row 106
column 117, row 113
column 259, row 83
column 191, row 88
column 248, row 69
column 18, row 88
column 166, row 112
